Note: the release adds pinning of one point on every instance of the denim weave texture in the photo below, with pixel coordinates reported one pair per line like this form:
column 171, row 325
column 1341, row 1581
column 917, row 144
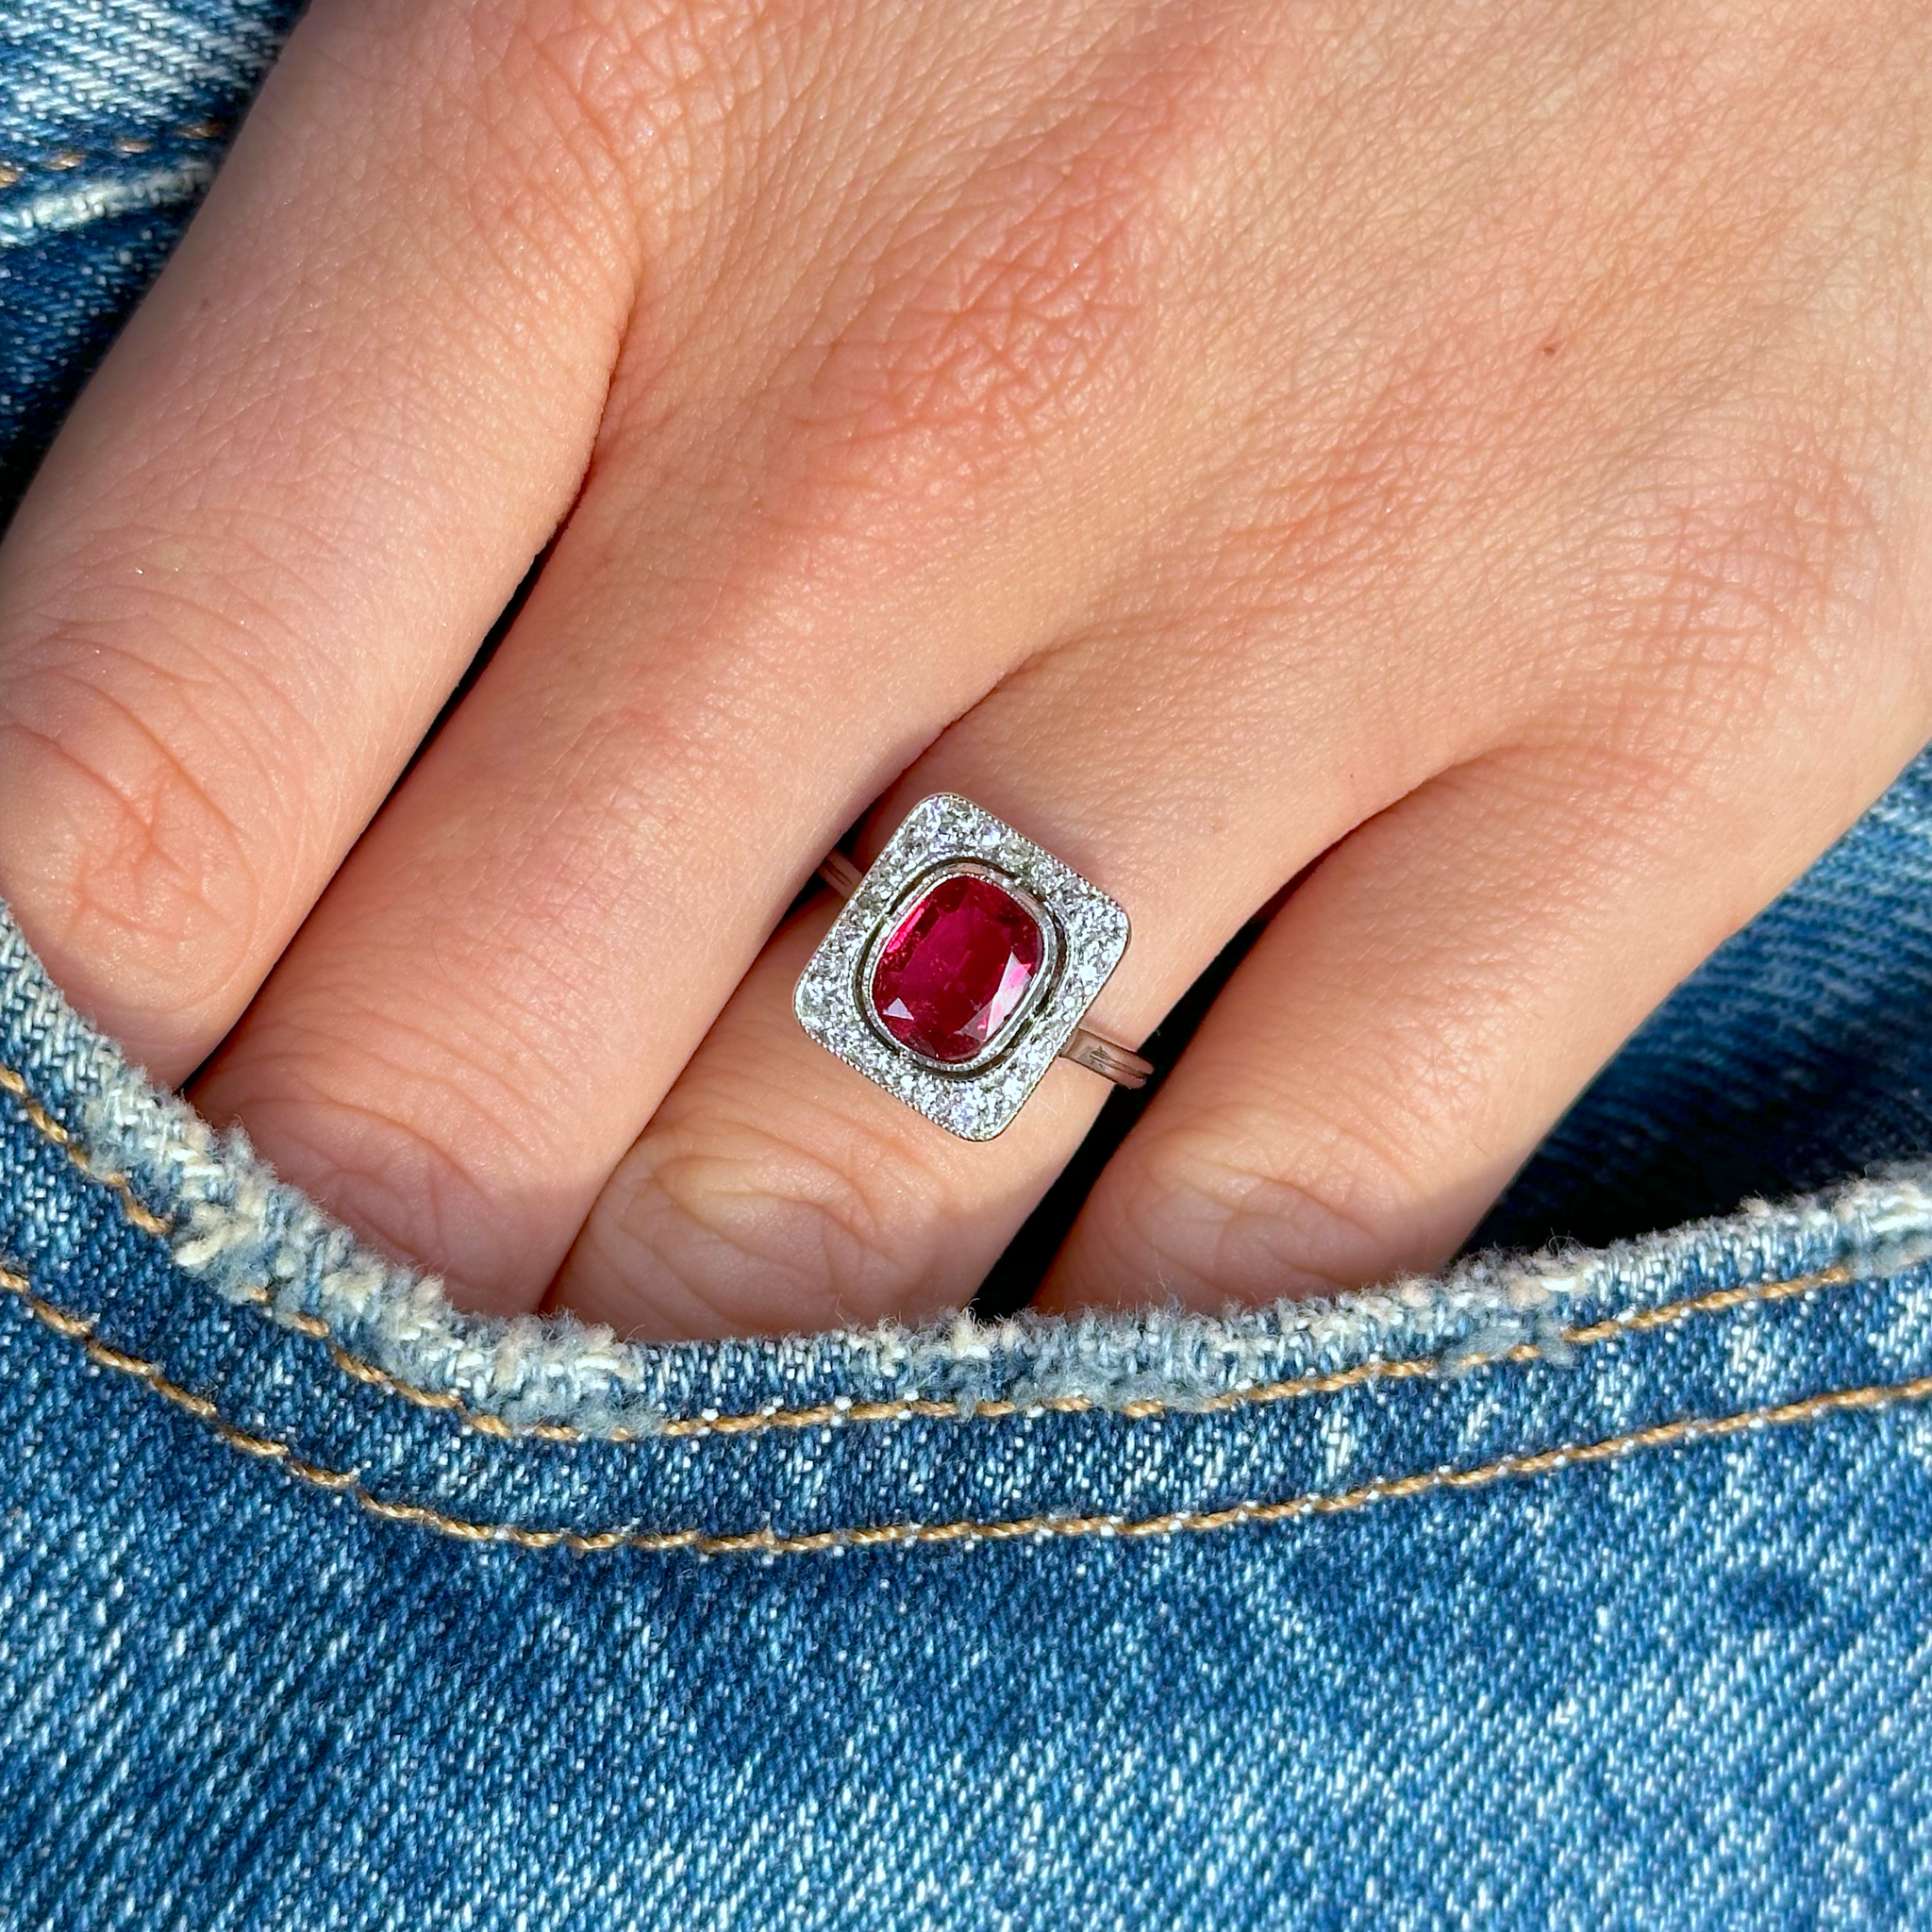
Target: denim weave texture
column 1585, row 1585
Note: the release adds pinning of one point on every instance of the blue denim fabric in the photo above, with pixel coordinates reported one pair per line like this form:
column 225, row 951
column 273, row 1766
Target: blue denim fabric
column 112, row 115
column 1581, row 1589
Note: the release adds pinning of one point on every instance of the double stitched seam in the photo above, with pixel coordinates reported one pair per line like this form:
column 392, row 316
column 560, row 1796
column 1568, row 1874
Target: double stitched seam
column 64, row 161
column 918, row 1409
column 966, row 1531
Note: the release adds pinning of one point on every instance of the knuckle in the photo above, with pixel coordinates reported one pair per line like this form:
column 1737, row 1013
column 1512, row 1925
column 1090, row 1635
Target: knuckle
column 613, row 59
column 548, row 70
column 139, row 872
column 407, row 1127
column 1738, row 573
column 1214, row 1216
column 993, row 326
column 525, row 117
column 732, row 1226
column 1017, row 308
column 409, row 1189
column 1253, row 1204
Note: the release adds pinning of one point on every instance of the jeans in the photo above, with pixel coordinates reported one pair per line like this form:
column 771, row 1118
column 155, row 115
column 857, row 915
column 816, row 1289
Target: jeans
column 1587, row 1584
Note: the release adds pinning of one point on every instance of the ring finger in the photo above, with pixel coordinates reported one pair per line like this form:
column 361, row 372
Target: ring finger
column 777, row 1189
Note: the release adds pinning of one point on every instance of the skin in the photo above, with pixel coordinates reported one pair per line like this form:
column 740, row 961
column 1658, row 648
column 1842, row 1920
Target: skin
column 1468, row 460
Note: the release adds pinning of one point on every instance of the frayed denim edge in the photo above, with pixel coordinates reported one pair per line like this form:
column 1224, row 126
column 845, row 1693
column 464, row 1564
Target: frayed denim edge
column 258, row 1243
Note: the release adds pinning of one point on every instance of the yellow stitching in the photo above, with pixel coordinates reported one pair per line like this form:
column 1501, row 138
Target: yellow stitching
column 768, row 1542
column 64, row 161
column 911, row 1408
column 80, row 1328
column 43, row 1124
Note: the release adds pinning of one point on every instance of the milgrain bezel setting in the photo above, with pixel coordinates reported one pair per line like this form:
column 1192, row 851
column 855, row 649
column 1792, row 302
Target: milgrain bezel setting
column 1083, row 933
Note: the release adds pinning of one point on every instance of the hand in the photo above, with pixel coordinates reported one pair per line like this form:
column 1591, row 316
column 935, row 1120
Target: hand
column 1472, row 456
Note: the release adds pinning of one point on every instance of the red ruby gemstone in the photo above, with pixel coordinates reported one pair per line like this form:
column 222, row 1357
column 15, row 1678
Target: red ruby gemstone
column 956, row 967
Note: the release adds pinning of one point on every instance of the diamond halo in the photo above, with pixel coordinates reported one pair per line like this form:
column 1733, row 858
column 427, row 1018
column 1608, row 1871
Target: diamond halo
column 1084, row 932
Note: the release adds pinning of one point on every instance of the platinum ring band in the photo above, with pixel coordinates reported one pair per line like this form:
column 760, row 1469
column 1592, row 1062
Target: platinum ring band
column 1084, row 1048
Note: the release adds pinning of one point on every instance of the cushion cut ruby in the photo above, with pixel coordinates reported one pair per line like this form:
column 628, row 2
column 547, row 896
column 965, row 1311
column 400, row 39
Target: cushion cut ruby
column 955, row 968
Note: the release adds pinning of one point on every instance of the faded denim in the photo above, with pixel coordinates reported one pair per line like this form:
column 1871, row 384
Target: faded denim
column 1583, row 1587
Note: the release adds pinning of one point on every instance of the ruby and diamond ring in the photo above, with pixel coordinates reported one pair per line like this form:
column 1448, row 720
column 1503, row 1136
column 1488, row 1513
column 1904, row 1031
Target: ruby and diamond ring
column 961, row 965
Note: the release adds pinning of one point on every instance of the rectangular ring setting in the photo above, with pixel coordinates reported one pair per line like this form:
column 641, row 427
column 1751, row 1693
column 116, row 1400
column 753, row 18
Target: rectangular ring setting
column 959, row 967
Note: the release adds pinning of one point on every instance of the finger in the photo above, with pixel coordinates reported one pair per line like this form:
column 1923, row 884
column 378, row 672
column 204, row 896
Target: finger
column 289, row 506
column 776, row 1188
column 1412, row 1022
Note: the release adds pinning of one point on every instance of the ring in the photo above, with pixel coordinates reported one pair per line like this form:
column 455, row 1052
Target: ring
column 962, row 966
